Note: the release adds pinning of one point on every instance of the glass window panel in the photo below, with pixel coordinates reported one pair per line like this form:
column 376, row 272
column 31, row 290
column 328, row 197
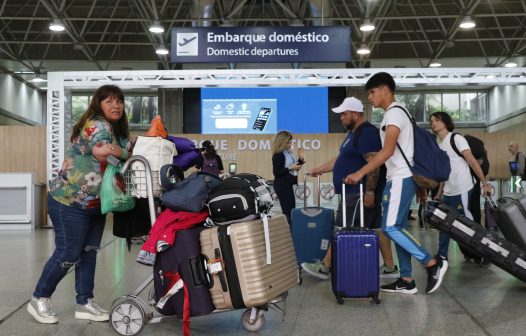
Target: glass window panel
column 414, row 103
column 433, row 103
column 377, row 115
column 79, row 105
column 451, row 105
column 468, row 107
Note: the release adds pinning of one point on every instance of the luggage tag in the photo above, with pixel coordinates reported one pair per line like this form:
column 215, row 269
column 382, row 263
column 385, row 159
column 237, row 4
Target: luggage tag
column 175, row 288
column 214, row 265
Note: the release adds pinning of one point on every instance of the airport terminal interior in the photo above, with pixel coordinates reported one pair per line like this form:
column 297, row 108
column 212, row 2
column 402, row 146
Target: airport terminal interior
column 236, row 72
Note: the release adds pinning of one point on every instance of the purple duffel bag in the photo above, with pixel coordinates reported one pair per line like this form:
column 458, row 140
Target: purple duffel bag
column 183, row 145
column 188, row 159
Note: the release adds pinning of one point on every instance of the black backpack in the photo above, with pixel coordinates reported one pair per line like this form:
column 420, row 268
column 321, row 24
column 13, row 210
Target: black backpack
column 239, row 198
column 477, row 149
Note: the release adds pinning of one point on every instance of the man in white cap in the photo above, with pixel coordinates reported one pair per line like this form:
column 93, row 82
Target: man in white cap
column 360, row 144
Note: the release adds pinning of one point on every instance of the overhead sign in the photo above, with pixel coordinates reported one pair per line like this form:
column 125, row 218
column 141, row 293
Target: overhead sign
column 261, row 44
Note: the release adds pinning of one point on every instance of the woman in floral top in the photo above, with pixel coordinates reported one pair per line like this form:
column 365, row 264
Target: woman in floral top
column 73, row 204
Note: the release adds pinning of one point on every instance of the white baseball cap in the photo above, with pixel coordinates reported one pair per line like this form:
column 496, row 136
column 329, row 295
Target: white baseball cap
column 349, row 104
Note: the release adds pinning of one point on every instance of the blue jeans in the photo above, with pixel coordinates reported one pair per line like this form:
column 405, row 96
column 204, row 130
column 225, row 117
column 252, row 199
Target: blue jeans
column 78, row 233
column 461, row 203
column 396, row 201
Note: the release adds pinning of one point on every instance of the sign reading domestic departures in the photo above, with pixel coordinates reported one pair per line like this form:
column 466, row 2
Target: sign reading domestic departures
column 260, row 44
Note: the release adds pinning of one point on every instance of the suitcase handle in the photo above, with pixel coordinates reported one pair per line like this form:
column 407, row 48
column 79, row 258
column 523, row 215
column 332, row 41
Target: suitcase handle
column 305, row 190
column 344, row 206
column 199, row 273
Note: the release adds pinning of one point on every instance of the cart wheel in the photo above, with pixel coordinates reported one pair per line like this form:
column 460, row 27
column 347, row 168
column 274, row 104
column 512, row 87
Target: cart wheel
column 252, row 326
column 127, row 317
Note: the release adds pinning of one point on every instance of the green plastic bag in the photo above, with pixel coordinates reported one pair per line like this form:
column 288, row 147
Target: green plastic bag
column 113, row 196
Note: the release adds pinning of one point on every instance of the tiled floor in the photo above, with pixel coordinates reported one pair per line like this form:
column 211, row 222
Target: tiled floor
column 472, row 301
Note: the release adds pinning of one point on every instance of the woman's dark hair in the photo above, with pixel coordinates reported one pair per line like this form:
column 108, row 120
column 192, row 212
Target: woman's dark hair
column 445, row 118
column 209, row 149
column 95, row 111
column 379, row 79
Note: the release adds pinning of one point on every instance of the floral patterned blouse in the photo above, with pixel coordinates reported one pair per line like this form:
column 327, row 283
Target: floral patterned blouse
column 78, row 182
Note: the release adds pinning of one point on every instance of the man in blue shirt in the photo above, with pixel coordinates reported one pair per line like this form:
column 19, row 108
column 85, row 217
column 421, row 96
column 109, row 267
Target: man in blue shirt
column 360, row 144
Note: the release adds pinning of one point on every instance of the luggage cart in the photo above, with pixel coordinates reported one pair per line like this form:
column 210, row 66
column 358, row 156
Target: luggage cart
column 129, row 313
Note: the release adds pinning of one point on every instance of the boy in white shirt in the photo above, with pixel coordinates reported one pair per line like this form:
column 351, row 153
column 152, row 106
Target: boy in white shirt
column 396, row 129
column 456, row 191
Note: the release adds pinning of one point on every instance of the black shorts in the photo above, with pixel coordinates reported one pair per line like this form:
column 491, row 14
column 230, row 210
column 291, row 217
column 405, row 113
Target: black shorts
column 372, row 217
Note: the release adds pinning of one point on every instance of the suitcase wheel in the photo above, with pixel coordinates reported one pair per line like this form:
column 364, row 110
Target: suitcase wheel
column 253, row 324
column 339, row 299
column 128, row 316
column 376, row 299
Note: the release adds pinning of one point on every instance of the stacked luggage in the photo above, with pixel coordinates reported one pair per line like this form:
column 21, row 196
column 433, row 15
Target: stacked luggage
column 473, row 237
column 238, row 258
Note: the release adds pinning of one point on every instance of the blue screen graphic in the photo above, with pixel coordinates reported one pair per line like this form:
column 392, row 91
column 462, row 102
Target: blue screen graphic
column 264, row 110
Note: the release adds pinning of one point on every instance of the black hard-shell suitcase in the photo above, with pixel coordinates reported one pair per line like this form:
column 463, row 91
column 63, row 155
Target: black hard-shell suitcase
column 511, row 218
column 475, row 238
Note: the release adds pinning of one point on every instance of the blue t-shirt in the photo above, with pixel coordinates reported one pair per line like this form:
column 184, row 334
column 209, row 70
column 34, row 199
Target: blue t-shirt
column 351, row 158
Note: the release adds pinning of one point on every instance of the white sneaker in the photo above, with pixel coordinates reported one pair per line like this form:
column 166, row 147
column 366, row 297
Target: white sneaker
column 42, row 310
column 91, row 311
column 316, row 269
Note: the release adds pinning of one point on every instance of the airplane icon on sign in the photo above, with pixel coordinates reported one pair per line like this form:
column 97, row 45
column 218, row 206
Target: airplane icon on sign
column 187, row 44
column 186, row 41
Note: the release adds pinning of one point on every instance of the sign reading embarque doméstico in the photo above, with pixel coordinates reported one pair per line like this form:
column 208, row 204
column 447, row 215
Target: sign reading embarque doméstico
column 260, row 44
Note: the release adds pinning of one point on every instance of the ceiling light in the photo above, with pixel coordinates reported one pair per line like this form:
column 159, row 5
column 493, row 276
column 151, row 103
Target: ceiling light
column 510, row 65
column 435, row 64
column 156, row 28
column 57, row 25
column 467, row 23
column 38, row 79
column 363, row 50
column 367, row 26
column 161, row 50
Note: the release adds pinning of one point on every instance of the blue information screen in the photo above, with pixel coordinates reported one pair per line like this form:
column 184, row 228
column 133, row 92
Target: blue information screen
column 264, row 110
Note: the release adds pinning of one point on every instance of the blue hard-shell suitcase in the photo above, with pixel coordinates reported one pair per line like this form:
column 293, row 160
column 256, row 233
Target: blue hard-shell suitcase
column 355, row 263
column 311, row 230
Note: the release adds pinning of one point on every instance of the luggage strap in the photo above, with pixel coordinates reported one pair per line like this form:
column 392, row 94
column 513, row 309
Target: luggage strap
column 176, row 283
column 264, row 217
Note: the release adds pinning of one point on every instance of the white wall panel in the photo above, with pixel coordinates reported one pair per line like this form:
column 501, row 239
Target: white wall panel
column 20, row 99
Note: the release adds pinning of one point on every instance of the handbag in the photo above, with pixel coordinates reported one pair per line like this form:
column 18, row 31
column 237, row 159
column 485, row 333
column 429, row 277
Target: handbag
column 191, row 193
column 113, row 197
column 158, row 152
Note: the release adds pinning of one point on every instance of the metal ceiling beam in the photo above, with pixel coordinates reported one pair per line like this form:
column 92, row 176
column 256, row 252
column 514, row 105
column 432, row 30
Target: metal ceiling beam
column 381, row 17
column 290, row 77
column 70, row 30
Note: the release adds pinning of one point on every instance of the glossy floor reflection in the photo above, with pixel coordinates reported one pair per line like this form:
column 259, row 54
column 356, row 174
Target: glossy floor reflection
column 472, row 301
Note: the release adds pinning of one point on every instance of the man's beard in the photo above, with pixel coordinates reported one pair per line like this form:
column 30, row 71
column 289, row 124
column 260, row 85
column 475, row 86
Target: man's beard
column 350, row 126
